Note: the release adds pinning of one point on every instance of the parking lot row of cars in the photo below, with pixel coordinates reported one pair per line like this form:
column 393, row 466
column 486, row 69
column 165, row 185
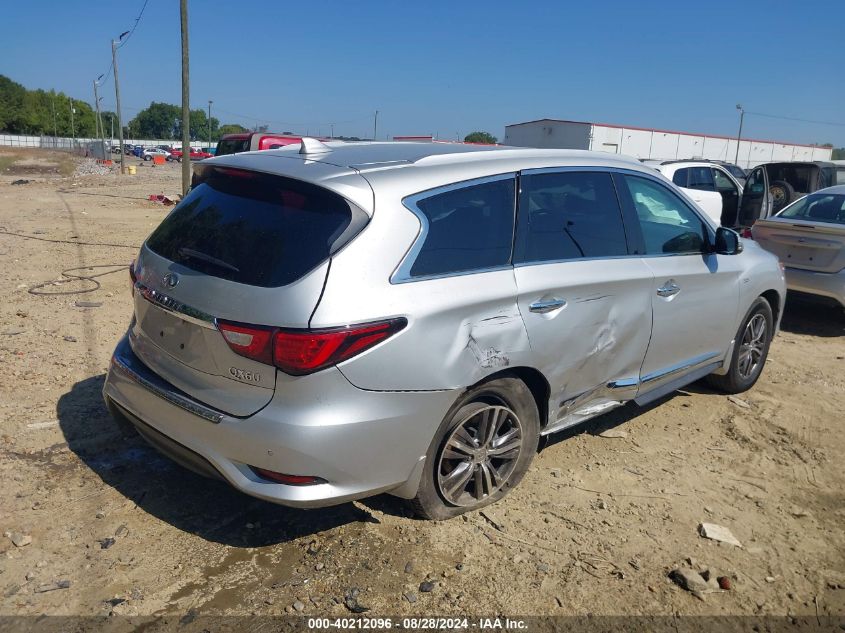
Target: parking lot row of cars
column 169, row 152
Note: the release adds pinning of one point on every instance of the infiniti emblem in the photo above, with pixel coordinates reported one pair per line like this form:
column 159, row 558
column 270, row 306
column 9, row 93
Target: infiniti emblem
column 170, row 280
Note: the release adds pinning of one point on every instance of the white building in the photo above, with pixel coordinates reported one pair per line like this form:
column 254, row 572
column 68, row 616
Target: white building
column 656, row 144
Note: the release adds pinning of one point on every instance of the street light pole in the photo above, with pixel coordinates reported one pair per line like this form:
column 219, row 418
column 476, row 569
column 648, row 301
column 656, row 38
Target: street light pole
column 739, row 134
column 209, row 123
column 375, row 125
column 186, row 102
column 117, row 101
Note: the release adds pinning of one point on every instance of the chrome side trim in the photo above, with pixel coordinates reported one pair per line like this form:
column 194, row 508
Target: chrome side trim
column 623, row 383
column 678, row 368
column 402, row 274
column 173, row 397
column 169, row 304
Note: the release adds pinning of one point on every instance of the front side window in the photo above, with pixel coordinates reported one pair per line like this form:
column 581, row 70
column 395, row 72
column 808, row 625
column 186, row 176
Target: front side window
column 470, row 228
column 667, row 224
column 723, row 183
column 568, row 215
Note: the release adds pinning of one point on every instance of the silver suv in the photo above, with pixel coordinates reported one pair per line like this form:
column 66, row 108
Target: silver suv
column 323, row 323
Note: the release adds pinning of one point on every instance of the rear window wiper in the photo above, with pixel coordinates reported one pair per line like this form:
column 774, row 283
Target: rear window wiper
column 191, row 253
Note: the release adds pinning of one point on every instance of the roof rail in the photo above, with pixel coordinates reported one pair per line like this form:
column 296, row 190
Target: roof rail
column 313, row 146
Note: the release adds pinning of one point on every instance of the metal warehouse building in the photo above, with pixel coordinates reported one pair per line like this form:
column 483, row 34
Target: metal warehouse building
column 657, row 144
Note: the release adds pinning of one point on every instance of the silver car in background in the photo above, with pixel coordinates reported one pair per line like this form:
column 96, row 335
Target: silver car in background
column 326, row 322
column 809, row 238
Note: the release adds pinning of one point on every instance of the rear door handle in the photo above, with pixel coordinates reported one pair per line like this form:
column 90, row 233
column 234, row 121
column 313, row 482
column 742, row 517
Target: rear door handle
column 669, row 289
column 550, row 305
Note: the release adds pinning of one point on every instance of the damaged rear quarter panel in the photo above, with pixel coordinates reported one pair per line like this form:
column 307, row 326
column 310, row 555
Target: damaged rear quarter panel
column 460, row 330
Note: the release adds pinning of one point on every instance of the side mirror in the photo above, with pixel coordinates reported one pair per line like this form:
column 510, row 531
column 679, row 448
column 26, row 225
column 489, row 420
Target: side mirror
column 727, row 242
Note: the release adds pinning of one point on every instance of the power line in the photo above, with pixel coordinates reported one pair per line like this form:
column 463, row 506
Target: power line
column 789, row 118
column 106, row 75
column 135, row 26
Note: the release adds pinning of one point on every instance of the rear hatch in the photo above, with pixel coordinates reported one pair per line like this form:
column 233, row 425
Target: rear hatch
column 809, row 234
column 243, row 247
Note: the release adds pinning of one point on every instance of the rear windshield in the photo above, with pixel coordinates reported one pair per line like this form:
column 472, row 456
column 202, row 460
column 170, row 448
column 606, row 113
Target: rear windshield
column 232, row 146
column 255, row 228
column 817, row 208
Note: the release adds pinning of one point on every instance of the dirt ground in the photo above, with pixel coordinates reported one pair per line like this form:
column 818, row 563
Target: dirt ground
column 595, row 527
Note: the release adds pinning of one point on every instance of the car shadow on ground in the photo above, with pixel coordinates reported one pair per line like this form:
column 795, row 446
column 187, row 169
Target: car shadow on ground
column 812, row 317
column 208, row 508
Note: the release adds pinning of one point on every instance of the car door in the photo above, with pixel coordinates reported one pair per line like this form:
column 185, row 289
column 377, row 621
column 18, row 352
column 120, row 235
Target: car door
column 584, row 299
column 756, row 200
column 729, row 190
column 695, row 292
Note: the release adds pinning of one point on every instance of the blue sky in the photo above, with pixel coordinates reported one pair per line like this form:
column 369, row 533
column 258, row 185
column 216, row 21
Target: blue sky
column 448, row 68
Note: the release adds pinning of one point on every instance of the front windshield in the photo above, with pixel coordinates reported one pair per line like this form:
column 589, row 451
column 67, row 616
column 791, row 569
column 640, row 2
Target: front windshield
column 817, row 207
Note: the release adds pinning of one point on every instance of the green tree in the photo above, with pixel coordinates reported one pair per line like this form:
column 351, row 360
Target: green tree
column 159, row 120
column 232, row 128
column 480, row 137
column 838, row 154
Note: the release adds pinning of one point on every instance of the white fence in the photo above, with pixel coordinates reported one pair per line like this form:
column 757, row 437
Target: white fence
column 52, row 142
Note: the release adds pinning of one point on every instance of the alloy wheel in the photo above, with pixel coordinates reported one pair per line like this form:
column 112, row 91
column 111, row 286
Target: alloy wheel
column 752, row 347
column 478, row 457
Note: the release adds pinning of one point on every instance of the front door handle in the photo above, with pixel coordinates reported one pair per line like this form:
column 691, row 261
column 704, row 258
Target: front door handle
column 669, row 289
column 549, row 305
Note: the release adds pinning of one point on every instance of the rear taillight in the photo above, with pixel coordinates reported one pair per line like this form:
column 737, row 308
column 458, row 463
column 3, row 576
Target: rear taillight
column 300, row 352
column 132, row 277
column 248, row 340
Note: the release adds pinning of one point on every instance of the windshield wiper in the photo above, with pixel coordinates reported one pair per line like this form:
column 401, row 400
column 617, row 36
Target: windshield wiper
column 191, row 253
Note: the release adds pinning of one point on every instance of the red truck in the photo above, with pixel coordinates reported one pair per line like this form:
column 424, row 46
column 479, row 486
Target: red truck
column 252, row 141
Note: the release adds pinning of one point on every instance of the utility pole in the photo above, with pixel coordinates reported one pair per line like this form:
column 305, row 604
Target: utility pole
column 332, row 132
column 186, row 101
column 72, row 127
column 98, row 122
column 209, row 123
column 739, row 135
column 55, row 125
column 375, row 125
column 117, row 101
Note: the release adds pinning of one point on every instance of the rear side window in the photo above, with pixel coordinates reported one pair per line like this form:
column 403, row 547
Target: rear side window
column 681, row 176
column 232, row 146
column 701, row 178
column 254, row 228
column 568, row 215
column 468, row 228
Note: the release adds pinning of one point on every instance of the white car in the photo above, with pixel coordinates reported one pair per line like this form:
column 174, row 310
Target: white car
column 710, row 185
column 148, row 154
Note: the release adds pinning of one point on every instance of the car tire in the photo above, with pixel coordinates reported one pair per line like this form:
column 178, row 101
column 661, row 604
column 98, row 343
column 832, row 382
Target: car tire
column 750, row 350
column 782, row 194
column 465, row 472
column 148, row 157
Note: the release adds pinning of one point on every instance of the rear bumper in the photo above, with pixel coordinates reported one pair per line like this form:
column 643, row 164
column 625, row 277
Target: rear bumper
column 830, row 285
column 360, row 442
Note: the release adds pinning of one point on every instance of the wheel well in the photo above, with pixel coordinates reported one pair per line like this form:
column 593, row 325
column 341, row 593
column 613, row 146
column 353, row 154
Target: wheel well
column 536, row 383
column 773, row 298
